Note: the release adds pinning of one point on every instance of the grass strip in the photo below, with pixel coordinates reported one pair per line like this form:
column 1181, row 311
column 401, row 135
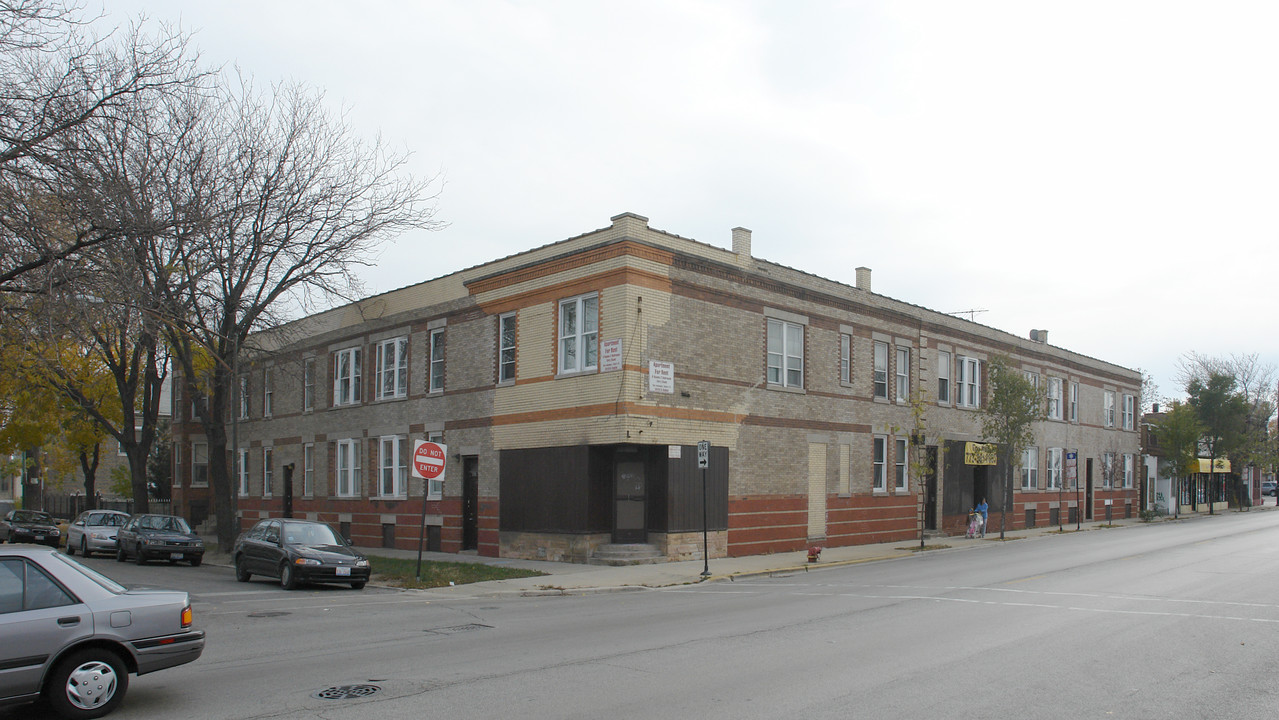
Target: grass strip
column 402, row 572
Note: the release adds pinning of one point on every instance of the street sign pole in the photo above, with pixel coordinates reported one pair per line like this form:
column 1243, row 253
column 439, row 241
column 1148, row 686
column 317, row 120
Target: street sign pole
column 703, row 460
column 429, row 461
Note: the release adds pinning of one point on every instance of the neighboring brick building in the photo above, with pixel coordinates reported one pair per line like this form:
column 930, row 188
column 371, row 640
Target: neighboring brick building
column 572, row 383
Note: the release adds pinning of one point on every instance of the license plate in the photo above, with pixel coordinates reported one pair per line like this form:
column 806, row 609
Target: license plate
column 39, row 538
column 344, row 572
column 175, row 556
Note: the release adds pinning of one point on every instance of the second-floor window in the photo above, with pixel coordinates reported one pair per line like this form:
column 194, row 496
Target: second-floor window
column 785, row 353
column 1054, row 398
column 346, row 376
column 943, row 377
column 435, row 366
column 268, row 394
column 969, row 382
column 308, row 384
column 1108, row 408
column 903, row 374
column 244, row 397
column 1130, row 403
column 845, row 358
column 880, row 370
column 579, row 334
column 393, row 368
column 506, row 348
column 1074, row 402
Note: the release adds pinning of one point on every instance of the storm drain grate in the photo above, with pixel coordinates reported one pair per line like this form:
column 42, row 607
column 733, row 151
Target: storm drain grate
column 346, row 692
column 458, row 629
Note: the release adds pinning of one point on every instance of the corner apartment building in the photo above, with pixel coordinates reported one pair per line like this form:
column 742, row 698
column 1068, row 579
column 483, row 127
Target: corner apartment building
column 571, row 384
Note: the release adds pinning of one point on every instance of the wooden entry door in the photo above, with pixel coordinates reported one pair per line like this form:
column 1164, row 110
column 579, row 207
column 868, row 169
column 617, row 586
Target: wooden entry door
column 629, row 501
column 930, row 488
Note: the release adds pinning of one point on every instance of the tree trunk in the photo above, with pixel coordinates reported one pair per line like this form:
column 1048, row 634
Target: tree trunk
column 90, row 477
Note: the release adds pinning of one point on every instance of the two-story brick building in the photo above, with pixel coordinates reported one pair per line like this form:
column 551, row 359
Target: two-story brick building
column 572, row 382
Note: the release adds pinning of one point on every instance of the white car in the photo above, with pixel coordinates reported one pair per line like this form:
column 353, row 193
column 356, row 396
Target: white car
column 72, row 635
column 94, row 531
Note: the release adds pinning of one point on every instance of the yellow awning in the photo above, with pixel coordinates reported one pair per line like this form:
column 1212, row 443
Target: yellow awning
column 1223, row 466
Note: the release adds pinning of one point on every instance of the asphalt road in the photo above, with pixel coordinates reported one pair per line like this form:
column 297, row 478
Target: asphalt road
column 1172, row 620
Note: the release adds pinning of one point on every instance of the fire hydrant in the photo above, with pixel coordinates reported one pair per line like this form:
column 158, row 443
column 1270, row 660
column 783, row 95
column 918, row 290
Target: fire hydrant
column 814, row 552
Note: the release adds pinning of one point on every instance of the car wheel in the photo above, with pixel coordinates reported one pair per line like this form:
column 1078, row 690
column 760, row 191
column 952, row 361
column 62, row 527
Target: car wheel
column 119, row 554
column 71, row 548
column 84, row 547
column 288, row 578
column 87, row 684
column 195, row 561
column 357, row 585
column 241, row 573
column 139, row 559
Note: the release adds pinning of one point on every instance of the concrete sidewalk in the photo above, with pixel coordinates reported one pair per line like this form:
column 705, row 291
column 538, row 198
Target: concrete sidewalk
column 577, row 579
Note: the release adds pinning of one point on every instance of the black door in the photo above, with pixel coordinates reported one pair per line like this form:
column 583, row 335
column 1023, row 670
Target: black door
column 470, row 502
column 628, row 500
column 1088, row 489
column 930, row 489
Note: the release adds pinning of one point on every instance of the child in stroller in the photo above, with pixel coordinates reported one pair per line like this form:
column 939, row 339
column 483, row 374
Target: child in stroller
column 976, row 524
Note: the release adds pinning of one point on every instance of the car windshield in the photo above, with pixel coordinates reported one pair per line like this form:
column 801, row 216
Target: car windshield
column 110, row 519
column 167, row 523
column 31, row 516
column 308, row 534
column 97, row 577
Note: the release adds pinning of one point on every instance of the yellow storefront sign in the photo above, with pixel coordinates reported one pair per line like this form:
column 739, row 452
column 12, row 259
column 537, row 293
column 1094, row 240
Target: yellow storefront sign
column 979, row 453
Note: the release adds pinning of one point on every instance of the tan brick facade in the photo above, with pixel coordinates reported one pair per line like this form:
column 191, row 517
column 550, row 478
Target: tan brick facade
column 649, row 296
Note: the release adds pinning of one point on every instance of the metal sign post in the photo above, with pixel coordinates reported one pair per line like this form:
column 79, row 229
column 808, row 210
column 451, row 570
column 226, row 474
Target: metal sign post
column 704, row 460
column 1072, row 474
column 429, row 461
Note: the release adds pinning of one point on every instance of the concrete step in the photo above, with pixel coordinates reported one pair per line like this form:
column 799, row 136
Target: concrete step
column 626, row 554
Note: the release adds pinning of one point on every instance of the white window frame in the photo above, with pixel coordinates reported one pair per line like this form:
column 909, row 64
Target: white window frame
column 1107, row 470
column 1030, row 468
column 879, row 371
column 1054, row 398
column 969, row 382
column 578, row 327
column 308, row 384
column 1129, row 406
column 1056, row 459
column 435, row 362
column 346, row 382
column 435, row 488
column 903, row 374
column 1074, row 402
column 507, row 329
column 268, row 394
column 346, row 468
column 785, row 367
column 879, row 464
column 308, row 470
column 901, row 479
column 845, row 359
column 199, row 461
column 1108, row 408
column 943, row 377
column 392, row 368
column 242, row 471
column 393, row 470
column 268, row 459
column 1128, row 470
column 244, row 397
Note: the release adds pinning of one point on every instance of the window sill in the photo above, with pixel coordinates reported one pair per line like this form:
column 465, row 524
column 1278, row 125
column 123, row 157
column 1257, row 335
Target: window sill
column 576, row 373
column 785, row 389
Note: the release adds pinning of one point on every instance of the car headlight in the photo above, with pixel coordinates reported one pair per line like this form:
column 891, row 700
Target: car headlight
column 361, row 563
column 54, row 533
column 306, row 561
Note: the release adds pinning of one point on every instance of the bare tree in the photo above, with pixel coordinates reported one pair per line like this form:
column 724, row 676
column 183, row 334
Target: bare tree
column 299, row 203
column 55, row 76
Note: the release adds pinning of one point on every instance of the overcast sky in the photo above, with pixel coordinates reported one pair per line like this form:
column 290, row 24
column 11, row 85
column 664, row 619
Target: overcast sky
column 1107, row 171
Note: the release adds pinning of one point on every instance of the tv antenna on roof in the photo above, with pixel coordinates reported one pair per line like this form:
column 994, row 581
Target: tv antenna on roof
column 970, row 313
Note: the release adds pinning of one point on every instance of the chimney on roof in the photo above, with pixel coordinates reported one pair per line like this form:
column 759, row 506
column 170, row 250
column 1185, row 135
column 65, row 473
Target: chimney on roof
column 863, row 278
column 1039, row 336
column 1154, row 407
column 742, row 244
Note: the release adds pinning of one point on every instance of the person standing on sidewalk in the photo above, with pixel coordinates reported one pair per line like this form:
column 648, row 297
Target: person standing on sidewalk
column 984, row 510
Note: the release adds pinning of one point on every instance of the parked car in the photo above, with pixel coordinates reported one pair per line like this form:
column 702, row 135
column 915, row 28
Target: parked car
column 1268, row 488
column 158, row 537
column 94, row 531
column 72, row 635
column 30, row 526
column 298, row 551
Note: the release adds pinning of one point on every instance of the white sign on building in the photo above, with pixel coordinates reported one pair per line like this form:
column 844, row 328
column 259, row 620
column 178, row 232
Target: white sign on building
column 611, row 355
column 661, row 377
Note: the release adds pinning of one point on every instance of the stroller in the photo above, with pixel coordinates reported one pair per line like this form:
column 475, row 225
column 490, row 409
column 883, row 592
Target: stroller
column 976, row 525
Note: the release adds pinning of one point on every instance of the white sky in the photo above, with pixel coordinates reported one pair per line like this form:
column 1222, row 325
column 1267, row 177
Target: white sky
column 1107, row 171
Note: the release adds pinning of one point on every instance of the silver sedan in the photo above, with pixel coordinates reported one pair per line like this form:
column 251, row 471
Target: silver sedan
column 73, row 636
column 94, row 531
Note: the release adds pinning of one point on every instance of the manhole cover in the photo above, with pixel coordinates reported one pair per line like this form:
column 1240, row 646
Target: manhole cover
column 268, row 613
column 458, row 629
column 346, row 692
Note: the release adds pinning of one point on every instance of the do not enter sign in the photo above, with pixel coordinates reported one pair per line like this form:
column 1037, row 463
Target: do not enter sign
column 428, row 459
